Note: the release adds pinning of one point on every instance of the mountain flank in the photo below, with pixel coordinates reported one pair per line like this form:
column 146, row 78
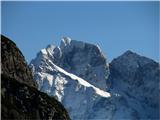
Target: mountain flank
column 20, row 97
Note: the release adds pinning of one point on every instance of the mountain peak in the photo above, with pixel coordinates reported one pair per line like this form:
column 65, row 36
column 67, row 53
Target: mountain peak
column 129, row 52
column 65, row 41
column 77, row 57
column 129, row 63
column 134, row 57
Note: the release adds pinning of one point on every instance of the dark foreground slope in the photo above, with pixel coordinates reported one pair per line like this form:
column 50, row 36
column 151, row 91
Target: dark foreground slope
column 13, row 63
column 20, row 97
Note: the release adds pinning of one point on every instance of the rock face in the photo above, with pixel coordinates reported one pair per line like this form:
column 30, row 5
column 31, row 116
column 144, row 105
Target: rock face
column 78, row 74
column 136, row 79
column 20, row 97
column 82, row 59
column 13, row 63
column 20, row 101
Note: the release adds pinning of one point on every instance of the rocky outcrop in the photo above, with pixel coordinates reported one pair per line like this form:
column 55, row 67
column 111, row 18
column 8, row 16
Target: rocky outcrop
column 84, row 60
column 19, row 95
column 20, row 101
column 13, row 62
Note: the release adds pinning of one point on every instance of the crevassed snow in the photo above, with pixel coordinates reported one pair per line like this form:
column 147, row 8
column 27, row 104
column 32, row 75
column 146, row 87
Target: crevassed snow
column 82, row 81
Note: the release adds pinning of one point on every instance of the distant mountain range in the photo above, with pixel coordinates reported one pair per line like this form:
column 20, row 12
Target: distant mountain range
column 78, row 75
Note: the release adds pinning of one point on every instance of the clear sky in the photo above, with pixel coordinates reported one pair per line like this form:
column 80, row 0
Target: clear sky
column 114, row 26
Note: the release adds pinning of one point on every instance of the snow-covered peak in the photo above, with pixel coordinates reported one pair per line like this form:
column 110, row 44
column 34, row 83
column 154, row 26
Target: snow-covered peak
column 75, row 93
column 74, row 70
column 80, row 58
column 50, row 49
column 65, row 41
column 85, row 60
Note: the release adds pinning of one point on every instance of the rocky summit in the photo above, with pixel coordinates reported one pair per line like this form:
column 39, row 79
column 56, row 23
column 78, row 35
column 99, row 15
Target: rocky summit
column 78, row 75
column 20, row 98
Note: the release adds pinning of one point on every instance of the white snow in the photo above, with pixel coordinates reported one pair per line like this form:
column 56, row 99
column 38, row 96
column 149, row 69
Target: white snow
column 44, row 51
column 66, row 40
column 50, row 49
column 47, row 76
column 82, row 81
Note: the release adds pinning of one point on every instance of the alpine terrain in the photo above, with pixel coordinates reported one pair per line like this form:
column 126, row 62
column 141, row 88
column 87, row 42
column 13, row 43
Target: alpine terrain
column 79, row 76
column 20, row 97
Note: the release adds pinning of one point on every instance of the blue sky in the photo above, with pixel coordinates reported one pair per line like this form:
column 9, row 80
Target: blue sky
column 114, row 26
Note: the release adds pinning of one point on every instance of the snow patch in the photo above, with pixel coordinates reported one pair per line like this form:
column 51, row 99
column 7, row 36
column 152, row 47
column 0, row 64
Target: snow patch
column 44, row 51
column 66, row 40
